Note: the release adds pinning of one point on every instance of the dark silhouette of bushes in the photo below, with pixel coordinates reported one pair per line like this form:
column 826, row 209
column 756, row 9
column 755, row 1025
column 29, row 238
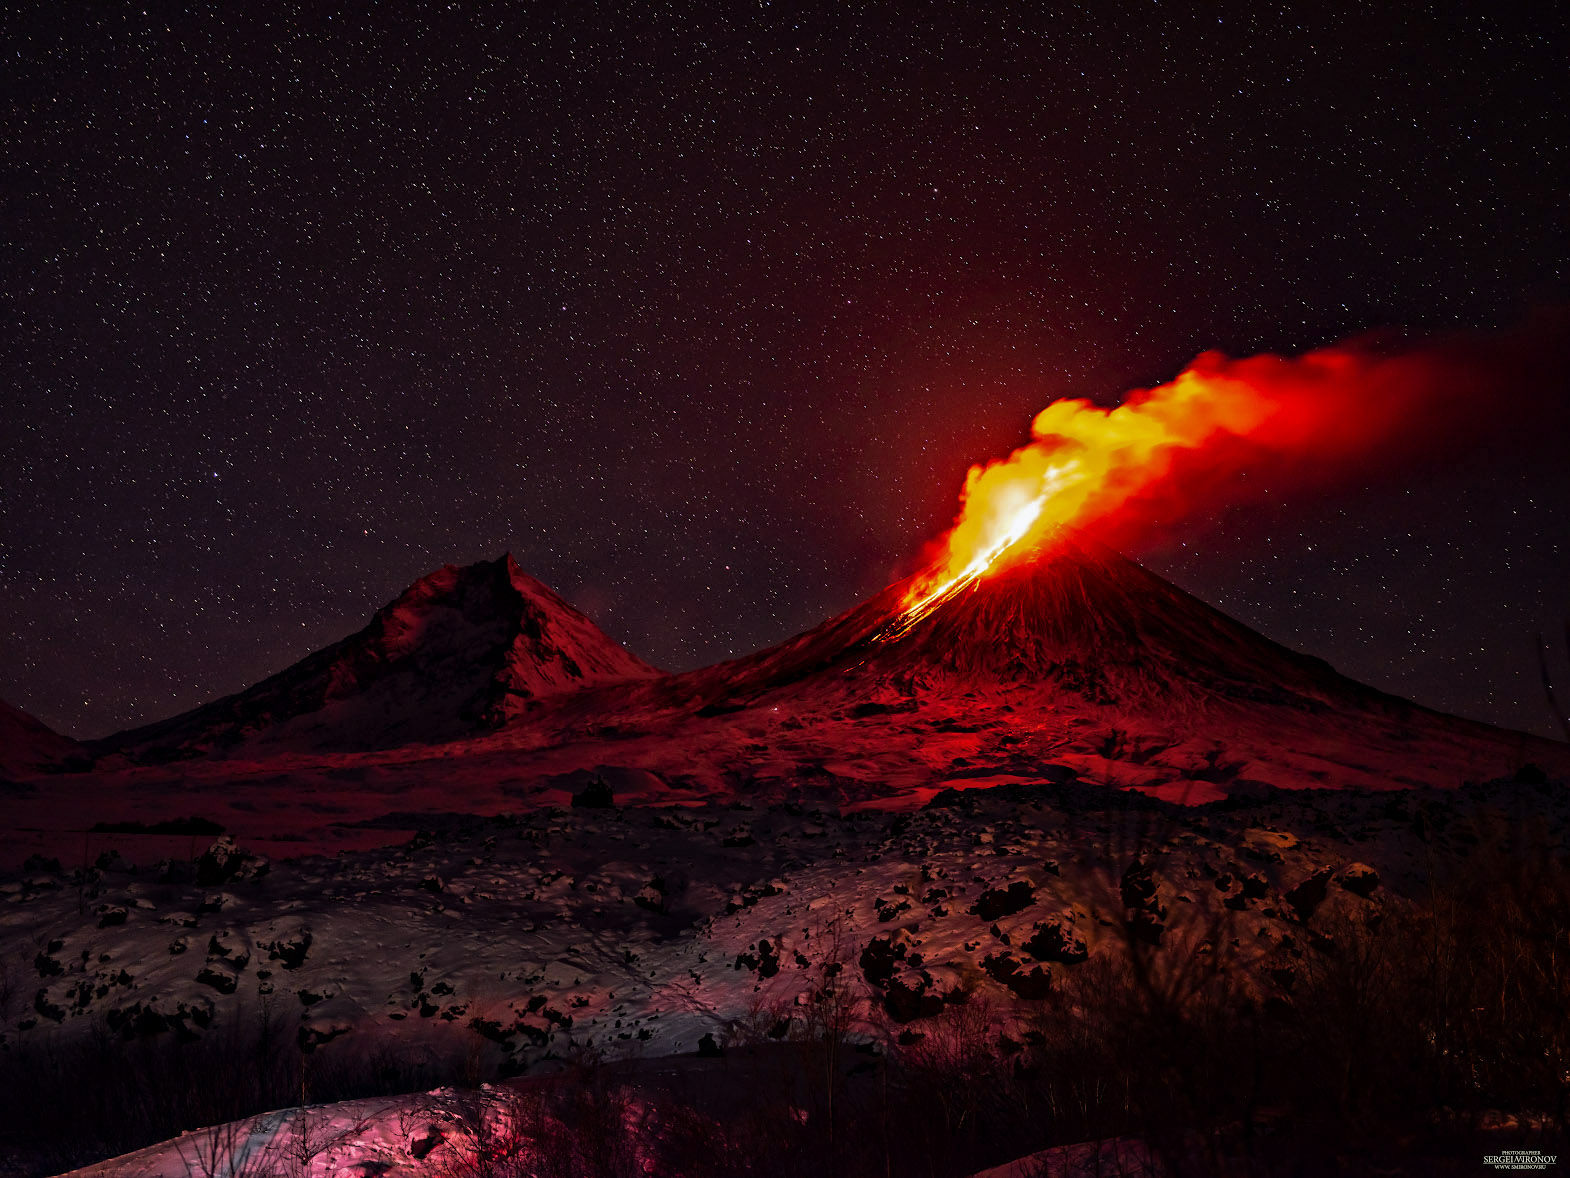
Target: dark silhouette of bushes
column 72, row 1102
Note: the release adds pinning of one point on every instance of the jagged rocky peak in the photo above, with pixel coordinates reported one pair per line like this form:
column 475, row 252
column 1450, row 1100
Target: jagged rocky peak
column 535, row 642
column 459, row 652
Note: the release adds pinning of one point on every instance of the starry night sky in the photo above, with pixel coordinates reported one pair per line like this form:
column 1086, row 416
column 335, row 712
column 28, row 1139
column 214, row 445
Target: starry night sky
column 703, row 316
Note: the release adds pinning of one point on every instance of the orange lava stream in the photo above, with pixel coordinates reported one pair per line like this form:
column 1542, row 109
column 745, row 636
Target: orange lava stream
column 1019, row 523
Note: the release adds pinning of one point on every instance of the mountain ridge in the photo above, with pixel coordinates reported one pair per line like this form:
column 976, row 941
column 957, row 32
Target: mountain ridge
column 462, row 650
column 1068, row 655
column 27, row 744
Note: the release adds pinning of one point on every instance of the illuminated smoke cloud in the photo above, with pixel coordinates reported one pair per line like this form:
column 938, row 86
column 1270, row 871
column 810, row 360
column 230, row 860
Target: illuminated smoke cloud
column 1167, row 450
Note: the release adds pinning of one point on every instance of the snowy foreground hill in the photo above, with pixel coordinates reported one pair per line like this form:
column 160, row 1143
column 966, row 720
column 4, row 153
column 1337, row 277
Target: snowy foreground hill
column 1076, row 864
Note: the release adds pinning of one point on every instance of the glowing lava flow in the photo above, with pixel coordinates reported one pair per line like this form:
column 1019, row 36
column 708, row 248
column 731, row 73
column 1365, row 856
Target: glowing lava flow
column 1019, row 523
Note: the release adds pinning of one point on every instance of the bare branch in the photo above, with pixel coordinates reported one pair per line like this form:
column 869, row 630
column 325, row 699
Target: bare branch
column 1548, row 683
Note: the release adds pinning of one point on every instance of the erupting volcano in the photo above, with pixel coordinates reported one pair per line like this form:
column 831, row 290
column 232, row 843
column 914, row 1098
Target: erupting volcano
column 1062, row 620
column 1082, row 464
column 1025, row 630
column 1018, row 700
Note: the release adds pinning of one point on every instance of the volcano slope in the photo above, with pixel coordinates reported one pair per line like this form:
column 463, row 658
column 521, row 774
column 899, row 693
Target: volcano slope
column 1072, row 660
column 28, row 745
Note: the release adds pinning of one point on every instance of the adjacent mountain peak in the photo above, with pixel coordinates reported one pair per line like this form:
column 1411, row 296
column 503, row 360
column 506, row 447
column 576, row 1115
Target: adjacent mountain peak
column 1069, row 614
column 28, row 745
column 462, row 650
column 458, row 611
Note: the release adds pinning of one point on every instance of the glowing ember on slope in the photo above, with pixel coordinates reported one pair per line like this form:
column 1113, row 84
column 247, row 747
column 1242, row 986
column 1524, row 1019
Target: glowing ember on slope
column 1017, row 516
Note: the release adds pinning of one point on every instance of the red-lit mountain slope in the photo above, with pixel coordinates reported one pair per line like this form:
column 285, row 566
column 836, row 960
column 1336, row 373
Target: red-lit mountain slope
column 1070, row 616
column 27, row 744
column 461, row 651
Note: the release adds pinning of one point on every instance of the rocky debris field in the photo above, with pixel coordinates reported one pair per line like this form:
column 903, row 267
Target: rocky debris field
column 645, row 931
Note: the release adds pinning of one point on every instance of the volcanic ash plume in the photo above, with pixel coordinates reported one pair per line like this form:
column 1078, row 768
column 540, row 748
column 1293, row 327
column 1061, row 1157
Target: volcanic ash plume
column 1166, row 448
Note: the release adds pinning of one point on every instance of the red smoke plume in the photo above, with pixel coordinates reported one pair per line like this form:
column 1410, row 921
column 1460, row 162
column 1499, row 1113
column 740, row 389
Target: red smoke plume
column 1166, row 450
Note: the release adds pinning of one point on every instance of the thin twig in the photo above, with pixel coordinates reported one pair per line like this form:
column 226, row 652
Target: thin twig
column 1548, row 683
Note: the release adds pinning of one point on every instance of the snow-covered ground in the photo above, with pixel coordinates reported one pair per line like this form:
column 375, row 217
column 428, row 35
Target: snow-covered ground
column 640, row 931
column 488, row 1130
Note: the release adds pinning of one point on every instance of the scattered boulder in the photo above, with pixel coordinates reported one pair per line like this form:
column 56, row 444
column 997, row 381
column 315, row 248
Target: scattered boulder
column 225, row 861
column 709, row 1047
column 492, row 1029
column 154, row 1017
column 47, row 966
column 1310, row 894
column 882, row 954
column 911, row 995
column 1055, row 940
column 996, row 903
column 888, row 909
column 752, row 894
column 222, row 976
column 422, row 1141
column 228, row 945
column 45, row 1005
column 1031, row 984
column 318, row 1031
column 1139, row 887
column 596, row 795
column 651, row 898
column 1141, row 892
column 765, row 962
column 1360, row 879
column 290, row 949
